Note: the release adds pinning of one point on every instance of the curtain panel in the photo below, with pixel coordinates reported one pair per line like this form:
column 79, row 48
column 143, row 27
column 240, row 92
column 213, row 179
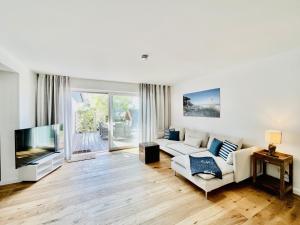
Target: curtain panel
column 155, row 110
column 53, row 105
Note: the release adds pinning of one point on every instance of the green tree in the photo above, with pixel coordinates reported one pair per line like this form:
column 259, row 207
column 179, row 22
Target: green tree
column 85, row 120
column 95, row 110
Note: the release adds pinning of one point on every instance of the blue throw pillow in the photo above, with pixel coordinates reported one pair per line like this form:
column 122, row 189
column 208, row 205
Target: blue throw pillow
column 174, row 136
column 215, row 147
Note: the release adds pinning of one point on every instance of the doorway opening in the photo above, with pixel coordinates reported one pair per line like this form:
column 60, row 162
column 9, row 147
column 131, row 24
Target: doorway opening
column 90, row 122
column 104, row 122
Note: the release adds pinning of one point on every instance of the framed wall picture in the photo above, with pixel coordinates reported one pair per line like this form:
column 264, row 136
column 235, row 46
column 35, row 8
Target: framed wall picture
column 202, row 103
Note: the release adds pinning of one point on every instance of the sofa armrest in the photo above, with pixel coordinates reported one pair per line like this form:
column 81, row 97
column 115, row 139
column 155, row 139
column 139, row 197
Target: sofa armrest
column 242, row 163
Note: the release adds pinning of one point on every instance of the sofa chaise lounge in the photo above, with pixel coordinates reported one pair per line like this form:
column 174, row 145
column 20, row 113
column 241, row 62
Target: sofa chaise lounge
column 238, row 171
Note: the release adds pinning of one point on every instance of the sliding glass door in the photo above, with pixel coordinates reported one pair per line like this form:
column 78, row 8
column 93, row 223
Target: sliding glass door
column 90, row 122
column 104, row 121
column 124, row 121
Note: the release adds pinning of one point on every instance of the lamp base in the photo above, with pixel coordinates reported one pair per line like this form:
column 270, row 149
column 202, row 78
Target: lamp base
column 272, row 149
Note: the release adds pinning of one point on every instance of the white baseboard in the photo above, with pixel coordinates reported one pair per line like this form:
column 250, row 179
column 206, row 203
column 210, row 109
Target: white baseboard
column 6, row 182
column 296, row 191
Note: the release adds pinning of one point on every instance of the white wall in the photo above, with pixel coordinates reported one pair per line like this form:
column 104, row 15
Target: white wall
column 17, row 102
column 254, row 97
column 27, row 103
column 9, row 121
column 27, row 86
column 105, row 86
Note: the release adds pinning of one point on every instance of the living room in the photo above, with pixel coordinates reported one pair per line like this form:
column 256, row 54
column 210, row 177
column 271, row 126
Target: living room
column 145, row 94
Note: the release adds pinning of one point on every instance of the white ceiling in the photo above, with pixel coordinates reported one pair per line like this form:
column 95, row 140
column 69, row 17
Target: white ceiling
column 105, row 39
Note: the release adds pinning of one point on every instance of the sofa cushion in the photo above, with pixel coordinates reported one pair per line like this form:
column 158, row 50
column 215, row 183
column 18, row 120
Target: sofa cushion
column 185, row 162
column 164, row 142
column 203, row 136
column 160, row 133
column 215, row 147
column 234, row 140
column 191, row 141
column 184, row 149
column 226, row 151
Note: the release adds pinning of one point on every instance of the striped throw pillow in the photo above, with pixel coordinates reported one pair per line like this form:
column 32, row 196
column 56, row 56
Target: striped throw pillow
column 226, row 150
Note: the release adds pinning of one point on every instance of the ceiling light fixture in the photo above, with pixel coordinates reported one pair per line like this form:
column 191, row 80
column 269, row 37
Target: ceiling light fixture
column 145, row 57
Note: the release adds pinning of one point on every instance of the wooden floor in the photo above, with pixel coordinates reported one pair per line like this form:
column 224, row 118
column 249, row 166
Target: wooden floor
column 116, row 188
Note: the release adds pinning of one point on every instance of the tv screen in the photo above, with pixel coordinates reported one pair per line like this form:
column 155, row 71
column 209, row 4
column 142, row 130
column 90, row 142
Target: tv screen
column 35, row 143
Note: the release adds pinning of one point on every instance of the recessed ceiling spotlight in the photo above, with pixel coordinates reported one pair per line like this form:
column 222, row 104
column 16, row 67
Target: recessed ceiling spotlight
column 145, row 56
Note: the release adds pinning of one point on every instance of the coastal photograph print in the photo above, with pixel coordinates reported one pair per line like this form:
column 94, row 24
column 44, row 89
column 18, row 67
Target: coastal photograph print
column 202, row 103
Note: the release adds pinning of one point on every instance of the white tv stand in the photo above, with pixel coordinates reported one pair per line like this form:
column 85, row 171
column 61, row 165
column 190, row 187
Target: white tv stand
column 42, row 167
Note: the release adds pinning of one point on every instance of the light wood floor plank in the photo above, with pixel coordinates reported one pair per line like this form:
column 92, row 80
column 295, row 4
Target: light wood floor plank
column 116, row 188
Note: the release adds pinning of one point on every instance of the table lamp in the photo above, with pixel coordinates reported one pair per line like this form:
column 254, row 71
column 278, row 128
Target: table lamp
column 273, row 138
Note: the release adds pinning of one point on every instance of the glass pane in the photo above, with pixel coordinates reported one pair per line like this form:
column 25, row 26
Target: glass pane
column 90, row 122
column 125, row 121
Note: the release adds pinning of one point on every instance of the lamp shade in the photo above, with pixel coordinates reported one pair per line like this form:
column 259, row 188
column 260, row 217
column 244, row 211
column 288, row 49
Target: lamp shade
column 273, row 137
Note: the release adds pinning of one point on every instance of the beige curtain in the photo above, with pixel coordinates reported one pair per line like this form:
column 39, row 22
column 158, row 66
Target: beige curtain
column 53, row 104
column 155, row 110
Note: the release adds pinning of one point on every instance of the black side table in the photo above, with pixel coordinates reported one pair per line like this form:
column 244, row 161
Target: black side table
column 149, row 152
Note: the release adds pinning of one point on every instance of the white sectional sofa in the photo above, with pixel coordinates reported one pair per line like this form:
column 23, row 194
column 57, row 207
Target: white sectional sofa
column 239, row 171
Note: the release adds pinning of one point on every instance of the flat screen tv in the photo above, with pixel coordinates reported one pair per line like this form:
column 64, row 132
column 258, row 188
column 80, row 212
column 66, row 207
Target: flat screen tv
column 35, row 143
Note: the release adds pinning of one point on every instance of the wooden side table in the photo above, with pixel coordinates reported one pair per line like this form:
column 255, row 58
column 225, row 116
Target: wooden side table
column 282, row 160
column 149, row 152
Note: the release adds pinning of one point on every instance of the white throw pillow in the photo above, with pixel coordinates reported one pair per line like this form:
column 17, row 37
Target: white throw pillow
column 203, row 136
column 160, row 134
column 194, row 142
